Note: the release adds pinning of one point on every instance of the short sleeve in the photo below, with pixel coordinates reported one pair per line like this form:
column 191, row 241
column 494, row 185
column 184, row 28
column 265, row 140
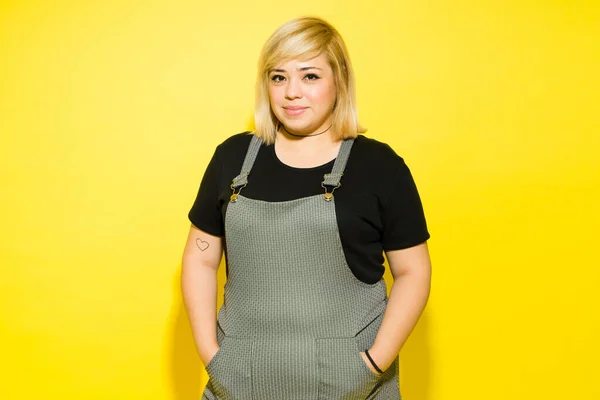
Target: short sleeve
column 205, row 213
column 404, row 223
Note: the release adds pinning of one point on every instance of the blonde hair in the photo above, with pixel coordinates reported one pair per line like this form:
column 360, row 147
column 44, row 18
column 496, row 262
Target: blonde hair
column 305, row 38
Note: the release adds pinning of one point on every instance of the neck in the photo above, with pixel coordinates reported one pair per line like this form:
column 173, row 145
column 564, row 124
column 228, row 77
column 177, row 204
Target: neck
column 301, row 152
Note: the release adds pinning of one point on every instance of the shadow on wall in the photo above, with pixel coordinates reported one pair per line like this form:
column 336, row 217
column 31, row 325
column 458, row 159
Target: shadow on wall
column 188, row 377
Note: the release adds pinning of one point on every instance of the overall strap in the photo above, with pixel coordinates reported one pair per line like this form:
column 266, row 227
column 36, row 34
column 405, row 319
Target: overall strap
column 333, row 178
column 238, row 183
column 253, row 148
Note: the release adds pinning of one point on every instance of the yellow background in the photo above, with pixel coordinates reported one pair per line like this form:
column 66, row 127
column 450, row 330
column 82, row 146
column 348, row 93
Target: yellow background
column 110, row 111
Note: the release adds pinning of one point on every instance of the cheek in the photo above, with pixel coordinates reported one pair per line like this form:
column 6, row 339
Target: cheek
column 324, row 94
column 273, row 94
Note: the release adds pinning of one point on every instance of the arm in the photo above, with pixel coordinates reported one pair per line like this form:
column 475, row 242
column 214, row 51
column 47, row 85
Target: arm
column 411, row 269
column 201, row 259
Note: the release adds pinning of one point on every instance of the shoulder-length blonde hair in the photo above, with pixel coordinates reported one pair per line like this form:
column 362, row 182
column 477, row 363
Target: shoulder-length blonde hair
column 305, row 38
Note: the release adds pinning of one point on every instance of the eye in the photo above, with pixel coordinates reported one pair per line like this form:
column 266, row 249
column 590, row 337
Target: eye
column 311, row 77
column 277, row 78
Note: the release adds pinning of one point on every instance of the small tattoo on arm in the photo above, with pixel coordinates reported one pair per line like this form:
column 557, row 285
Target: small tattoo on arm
column 202, row 245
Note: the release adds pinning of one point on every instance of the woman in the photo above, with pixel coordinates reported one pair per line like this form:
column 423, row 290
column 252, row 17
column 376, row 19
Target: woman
column 304, row 208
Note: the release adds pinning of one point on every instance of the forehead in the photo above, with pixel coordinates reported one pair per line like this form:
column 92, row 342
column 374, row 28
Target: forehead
column 319, row 61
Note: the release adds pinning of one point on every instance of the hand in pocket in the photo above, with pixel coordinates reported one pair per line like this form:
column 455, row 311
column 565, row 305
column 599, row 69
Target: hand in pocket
column 368, row 363
column 213, row 352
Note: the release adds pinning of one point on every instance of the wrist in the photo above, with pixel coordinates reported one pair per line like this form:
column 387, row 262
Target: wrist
column 380, row 358
column 207, row 352
column 373, row 363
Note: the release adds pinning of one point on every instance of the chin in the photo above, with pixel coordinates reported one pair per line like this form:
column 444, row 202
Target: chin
column 296, row 127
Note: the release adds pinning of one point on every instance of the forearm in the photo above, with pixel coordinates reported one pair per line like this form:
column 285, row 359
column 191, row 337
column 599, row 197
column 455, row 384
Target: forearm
column 199, row 289
column 407, row 300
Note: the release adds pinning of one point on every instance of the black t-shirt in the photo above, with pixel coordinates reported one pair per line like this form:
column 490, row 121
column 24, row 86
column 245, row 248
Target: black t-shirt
column 378, row 207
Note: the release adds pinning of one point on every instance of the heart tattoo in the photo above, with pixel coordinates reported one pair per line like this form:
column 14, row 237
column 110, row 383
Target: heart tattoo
column 202, row 245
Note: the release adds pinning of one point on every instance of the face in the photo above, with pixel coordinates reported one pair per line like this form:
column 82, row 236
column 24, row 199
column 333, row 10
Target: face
column 302, row 95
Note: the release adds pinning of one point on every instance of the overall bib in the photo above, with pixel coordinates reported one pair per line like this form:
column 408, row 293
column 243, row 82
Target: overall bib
column 294, row 318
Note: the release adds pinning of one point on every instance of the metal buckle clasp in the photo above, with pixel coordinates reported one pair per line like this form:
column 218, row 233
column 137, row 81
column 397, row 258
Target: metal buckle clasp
column 234, row 196
column 329, row 195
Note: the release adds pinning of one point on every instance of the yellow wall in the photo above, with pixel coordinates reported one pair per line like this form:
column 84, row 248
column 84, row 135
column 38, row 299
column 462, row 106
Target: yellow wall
column 109, row 112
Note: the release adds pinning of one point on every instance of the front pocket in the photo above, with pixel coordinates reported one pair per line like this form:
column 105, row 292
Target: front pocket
column 230, row 369
column 343, row 375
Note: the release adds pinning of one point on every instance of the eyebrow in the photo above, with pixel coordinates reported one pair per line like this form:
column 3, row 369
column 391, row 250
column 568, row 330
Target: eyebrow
column 299, row 69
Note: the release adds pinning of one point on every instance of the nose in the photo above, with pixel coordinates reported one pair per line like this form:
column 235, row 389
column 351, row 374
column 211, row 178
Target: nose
column 293, row 89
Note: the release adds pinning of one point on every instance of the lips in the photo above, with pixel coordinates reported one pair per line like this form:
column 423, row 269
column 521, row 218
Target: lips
column 294, row 110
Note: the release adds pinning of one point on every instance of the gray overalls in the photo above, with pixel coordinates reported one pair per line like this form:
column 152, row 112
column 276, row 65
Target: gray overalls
column 294, row 318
